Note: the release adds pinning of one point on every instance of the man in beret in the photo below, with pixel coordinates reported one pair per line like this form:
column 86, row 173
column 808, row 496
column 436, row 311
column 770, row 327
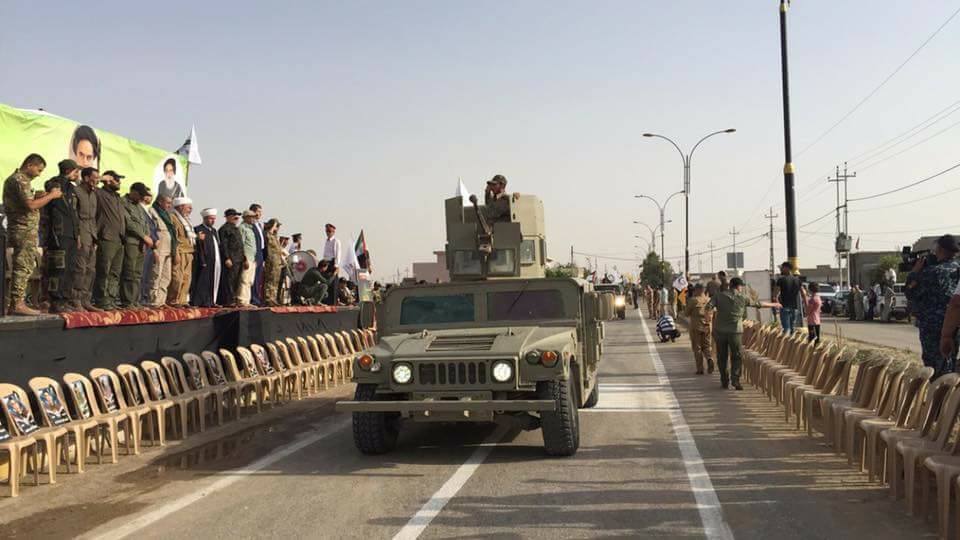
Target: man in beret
column 61, row 231
column 206, row 262
column 135, row 239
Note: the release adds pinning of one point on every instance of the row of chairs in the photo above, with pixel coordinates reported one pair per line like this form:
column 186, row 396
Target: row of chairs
column 132, row 402
column 892, row 421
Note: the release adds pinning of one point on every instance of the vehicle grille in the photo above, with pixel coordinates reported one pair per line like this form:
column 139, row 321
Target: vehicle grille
column 462, row 343
column 452, row 373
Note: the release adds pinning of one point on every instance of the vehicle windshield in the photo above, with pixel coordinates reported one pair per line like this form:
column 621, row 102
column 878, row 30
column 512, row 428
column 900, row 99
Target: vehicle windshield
column 524, row 305
column 826, row 289
column 611, row 288
column 454, row 308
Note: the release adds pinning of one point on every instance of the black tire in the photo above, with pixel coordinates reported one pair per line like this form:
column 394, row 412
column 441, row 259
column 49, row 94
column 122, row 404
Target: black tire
column 594, row 396
column 561, row 428
column 374, row 432
column 622, row 315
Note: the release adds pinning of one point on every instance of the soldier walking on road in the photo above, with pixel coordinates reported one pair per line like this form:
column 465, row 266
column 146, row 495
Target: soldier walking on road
column 135, row 239
column 85, row 262
column 23, row 221
column 700, row 315
column 61, row 234
column 731, row 306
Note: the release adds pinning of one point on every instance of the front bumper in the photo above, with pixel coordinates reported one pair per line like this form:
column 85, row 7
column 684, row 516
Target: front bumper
column 455, row 406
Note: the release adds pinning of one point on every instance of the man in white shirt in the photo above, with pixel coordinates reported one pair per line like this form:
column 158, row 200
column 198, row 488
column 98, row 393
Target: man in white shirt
column 331, row 253
column 256, row 291
column 296, row 243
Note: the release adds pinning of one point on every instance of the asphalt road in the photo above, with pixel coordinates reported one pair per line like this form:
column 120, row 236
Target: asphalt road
column 665, row 454
column 898, row 335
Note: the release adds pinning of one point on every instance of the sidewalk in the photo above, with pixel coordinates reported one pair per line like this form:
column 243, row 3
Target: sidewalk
column 774, row 481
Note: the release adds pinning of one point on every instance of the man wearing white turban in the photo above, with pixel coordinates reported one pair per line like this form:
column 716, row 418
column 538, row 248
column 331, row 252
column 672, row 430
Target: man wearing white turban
column 206, row 268
column 181, row 273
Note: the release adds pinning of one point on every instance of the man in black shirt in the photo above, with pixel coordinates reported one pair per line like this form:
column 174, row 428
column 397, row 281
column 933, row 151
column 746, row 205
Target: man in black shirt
column 787, row 292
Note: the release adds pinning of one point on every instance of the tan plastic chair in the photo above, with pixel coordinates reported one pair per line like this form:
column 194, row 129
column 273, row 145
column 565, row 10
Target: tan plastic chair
column 921, row 422
column 780, row 355
column 861, row 396
column 309, row 357
column 192, row 404
column 874, row 385
column 774, row 372
column 251, row 372
column 53, row 408
column 86, row 403
column 756, row 345
column 818, row 361
column 165, row 384
column 885, row 409
column 320, row 354
column 268, row 372
column 302, row 372
column 216, row 378
column 247, row 390
column 330, row 359
column 346, row 344
column 200, row 385
column 815, row 381
column 109, row 388
column 21, row 421
column 312, row 369
column 343, row 356
column 290, row 378
column 358, row 345
column 910, row 400
column 139, row 394
column 16, row 446
column 911, row 453
column 834, row 384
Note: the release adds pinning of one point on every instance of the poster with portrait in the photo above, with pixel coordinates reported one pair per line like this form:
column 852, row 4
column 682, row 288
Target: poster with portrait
column 168, row 177
column 4, row 434
column 216, row 375
column 133, row 385
column 155, row 384
column 27, row 131
column 261, row 357
column 20, row 413
column 108, row 394
column 80, row 399
column 195, row 381
column 52, row 406
column 251, row 366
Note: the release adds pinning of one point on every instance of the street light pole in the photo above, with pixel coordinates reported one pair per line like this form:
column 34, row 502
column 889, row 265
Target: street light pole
column 788, row 168
column 687, row 158
column 663, row 221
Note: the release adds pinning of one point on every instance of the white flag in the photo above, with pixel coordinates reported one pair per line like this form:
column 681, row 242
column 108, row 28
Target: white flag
column 463, row 192
column 191, row 148
column 680, row 283
column 351, row 266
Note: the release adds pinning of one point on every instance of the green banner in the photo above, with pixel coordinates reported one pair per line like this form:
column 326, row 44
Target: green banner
column 24, row 132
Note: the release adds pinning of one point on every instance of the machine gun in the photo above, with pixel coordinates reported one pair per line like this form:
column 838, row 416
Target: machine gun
column 485, row 234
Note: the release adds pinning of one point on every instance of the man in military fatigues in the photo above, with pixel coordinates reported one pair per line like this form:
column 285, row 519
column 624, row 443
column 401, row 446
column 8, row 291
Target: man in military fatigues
column 700, row 314
column 231, row 247
column 312, row 288
column 111, row 231
column 496, row 200
column 136, row 237
column 731, row 306
column 62, row 231
column 928, row 289
column 23, row 220
column 85, row 262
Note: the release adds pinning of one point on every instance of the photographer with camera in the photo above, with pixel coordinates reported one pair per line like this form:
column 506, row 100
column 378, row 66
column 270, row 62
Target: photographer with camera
column 928, row 289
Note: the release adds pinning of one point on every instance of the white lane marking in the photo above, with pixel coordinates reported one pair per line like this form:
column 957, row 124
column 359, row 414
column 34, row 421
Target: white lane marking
column 419, row 522
column 229, row 478
column 708, row 504
column 638, row 397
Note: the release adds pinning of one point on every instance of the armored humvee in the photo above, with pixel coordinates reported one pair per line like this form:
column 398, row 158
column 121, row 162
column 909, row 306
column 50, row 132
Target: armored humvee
column 501, row 342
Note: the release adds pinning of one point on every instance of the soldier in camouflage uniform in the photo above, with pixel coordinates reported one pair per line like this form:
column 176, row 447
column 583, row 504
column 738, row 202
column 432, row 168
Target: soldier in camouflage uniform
column 928, row 291
column 136, row 237
column 23, row 219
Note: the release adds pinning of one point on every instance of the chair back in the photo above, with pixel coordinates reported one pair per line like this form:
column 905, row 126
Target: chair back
column 158, row 385
column 53, row 404
column 176, row 378
column 912, row 390
column 325, row 352
column 284, row 353
column 249, row 362
column 333, row 345
column 198, row 373
column 357, row 341
column 947, row 420
column 230, row 366
column 17, row 413
column 213, row 367
column 263, row 361
column 344, row 341
column 276, row 359
column 82, row 396
column 293, row 349
column 132, row 383
column 108, row 389
column 305, row 352
column 315, row 349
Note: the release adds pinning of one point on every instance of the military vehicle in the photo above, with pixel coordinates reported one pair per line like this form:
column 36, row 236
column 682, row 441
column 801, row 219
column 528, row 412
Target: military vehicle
column 619, row 292
column 499, row 343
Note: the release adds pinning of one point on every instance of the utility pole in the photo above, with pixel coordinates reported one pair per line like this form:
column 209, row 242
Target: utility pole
column 842, row 225
column 788, row 169
column 711, row 257
column 734, row 233
column 571, row 256
column 771, row 216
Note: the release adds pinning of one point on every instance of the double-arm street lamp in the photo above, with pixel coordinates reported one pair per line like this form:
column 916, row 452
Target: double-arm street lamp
column 686, row 185
column 662, row 226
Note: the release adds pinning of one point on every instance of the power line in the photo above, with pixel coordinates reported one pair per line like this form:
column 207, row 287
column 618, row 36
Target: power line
column 911, row 147
column 881, row 85
column 934, row 196
column 908, row 186
column 915, row 130
column 825, row 216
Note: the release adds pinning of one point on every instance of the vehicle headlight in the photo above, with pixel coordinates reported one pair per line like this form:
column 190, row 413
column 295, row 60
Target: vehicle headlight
column 502, row 371
column 620, row 301
column 402, row 373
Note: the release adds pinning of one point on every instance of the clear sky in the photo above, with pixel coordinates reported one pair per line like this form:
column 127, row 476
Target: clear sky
column 365, row 113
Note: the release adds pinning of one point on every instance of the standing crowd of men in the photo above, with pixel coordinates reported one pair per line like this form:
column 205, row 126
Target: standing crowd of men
column 103, row 250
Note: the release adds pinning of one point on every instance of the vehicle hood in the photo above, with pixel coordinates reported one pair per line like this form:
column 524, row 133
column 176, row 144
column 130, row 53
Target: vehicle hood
column 497, row 341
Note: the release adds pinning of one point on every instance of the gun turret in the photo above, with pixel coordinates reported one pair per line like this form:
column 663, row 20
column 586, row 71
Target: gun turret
column 506, row 243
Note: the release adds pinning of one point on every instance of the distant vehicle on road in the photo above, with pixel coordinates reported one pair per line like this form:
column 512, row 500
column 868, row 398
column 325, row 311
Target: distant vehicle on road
column 828, row 294
column 838, row 307
column 899, row 310
column 619, row 297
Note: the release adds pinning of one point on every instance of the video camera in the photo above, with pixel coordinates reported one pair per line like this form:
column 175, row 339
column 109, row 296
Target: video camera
column 909, row 258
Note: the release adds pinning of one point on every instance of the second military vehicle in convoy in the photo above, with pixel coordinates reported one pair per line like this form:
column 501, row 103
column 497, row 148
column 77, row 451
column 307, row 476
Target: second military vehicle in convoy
column 500, row 342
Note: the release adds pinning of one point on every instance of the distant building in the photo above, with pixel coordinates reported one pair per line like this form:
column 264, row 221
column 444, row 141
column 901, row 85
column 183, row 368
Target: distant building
column 823, row 273
column 432, row 272
column 862, row 263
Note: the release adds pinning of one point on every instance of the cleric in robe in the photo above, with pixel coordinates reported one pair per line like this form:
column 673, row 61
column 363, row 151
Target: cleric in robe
column 206, row 262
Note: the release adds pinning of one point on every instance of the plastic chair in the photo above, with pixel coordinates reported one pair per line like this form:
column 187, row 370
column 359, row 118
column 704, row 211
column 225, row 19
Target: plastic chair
column 87, row 406
column 16, row 447
column 201, row 387
column 296, row 353
column 110, row 393
column 228, row 392
column 53, row 408
column 913, row 387
column 312, row 359
column 247, row 389
column 885, row 409
column 816, row 381
column 139, row 394
column 20, row 421
column 302, row 373
column 861, row 396
column 818, row 361
column 178, row 390
column 270, row 374
column 290, row 378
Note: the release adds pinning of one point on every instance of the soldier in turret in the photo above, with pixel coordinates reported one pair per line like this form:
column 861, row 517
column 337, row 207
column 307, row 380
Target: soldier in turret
column 496, row 200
